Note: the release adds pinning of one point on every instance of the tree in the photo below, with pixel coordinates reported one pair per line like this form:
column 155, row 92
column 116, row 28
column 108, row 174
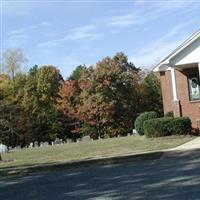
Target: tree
column 109, row 101
column 23, row 123
column 104, row 98
column 8, row 124
column 68, row 102
column 39, row 101
column 76, row 74
column 13, row 59
column 151, row 94
column 9, row 112
column 28, row 107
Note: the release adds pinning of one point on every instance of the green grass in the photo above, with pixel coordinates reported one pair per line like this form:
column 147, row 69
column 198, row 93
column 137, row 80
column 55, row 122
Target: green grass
column 90, row 149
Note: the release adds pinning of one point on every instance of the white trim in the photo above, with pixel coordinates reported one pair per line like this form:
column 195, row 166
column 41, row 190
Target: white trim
column 174, row 88
column 185, row 44
column 199, row 70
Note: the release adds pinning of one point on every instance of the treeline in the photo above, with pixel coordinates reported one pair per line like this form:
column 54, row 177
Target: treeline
column 100, row 101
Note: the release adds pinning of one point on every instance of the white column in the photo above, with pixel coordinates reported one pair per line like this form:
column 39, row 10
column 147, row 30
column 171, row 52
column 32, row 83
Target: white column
column 174, row 88
column 199, row 70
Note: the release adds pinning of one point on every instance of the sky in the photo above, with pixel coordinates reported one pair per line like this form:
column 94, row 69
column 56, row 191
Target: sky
column 69, row 33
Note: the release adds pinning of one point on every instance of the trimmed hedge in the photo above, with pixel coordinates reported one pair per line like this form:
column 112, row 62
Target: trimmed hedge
column 180, row 126
column 167, row 126
column 139, row 122
column 158, row 127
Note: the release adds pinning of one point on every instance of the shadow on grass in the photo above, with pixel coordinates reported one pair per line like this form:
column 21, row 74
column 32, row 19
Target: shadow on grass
column 27, row 169
column 176, row 175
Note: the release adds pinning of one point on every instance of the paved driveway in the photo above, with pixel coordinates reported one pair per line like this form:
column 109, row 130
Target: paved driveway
column 174, row 176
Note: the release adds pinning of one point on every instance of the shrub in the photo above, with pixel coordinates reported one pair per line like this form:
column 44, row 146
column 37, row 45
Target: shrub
column 157, row 127
column 169, row 114
column 180, row 125
column 139, row 122
column 167, row 126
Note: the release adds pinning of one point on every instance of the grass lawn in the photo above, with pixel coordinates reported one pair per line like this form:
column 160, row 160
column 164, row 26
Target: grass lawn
column 90, row 149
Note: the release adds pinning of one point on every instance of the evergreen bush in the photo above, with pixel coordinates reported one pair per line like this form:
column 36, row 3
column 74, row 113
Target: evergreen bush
column 166, row 126
column 139, row 122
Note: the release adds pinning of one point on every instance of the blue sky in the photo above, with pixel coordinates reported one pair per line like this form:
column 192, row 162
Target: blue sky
column 69, row 33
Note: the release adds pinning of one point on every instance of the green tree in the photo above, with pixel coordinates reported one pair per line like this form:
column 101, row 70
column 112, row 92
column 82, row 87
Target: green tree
column 39, row 102
column 76, row 74
column 9, row 112
column 151, row 94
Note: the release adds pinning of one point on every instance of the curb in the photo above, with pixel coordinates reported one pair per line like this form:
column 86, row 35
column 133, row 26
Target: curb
column 82, row 163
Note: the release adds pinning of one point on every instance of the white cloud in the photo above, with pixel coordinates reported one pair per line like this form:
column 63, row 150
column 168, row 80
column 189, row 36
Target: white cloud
column 123, row 20
column 87, row 33
column 144, row 12
column 19, row 37
column 25, row 30
column 163, row 40
column 84, row 32
column 129, row 19
column 138, row 15
column 154, row 55
column 50, row 43
column 157, row 50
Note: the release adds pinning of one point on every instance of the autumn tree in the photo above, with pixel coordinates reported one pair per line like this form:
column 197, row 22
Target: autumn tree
column 109, row 100
column 68, row 102
column 100, row 101
column 104, row 98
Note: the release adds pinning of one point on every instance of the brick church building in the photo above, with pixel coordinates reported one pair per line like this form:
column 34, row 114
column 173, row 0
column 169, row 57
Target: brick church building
column 180, row 80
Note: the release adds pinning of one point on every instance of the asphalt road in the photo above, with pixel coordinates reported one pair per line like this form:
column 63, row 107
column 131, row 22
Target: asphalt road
column 174, row 176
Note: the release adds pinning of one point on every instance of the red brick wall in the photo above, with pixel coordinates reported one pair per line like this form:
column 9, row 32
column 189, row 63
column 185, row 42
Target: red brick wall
column 188, row 108
column 166, row 87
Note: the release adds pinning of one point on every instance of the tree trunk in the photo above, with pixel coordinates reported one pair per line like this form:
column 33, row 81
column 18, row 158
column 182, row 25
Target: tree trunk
column 0, row 158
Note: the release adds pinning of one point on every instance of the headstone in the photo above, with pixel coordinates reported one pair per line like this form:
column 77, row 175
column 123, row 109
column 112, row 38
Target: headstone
column 46, row 144
column 135, row 132
column 86, row 138
column 31, row 145
column 17, row 147
column 69, row 140
column 58, row 141
column 3, row 148
column 36, row 144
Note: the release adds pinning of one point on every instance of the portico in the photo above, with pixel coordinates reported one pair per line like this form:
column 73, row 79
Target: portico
column 180, row 75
